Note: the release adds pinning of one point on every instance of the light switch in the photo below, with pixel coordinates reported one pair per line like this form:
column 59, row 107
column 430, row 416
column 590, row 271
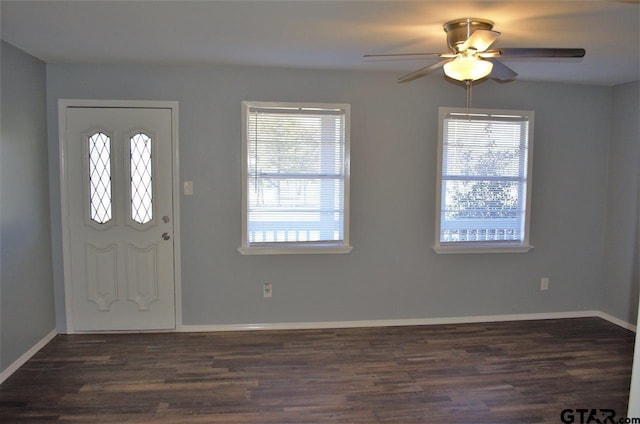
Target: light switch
column 188, row 188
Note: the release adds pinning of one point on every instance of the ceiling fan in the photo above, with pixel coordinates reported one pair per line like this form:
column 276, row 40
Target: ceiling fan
column 470, row 58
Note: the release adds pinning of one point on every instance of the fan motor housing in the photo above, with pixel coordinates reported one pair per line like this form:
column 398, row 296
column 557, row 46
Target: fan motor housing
column 459, row 30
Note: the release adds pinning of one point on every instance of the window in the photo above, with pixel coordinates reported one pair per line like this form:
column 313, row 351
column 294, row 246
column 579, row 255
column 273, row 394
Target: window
column 99, row 152
column 484, row 181
column 141, row 178
column 295, row 178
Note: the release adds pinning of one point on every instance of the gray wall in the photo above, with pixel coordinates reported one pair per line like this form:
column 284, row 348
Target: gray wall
column 622, row 275
column 392, row 272
column 26, row 281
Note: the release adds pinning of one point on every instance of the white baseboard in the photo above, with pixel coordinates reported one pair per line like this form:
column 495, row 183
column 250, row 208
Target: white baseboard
column 26, row 356
column 616, row 321
column 398, row 322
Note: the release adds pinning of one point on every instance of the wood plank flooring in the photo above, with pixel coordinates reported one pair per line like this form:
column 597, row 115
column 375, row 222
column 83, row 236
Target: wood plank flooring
column 509, row 372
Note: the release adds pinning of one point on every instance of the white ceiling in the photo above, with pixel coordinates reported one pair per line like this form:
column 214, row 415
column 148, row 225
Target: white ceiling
column 324, row 34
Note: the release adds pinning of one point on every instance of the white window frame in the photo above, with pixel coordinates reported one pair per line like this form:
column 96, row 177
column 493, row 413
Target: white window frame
column 465, row 247
column 280, row 248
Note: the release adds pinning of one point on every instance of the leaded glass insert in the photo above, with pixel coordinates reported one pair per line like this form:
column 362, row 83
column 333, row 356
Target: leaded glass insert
column 141, row 179
column 100, row 204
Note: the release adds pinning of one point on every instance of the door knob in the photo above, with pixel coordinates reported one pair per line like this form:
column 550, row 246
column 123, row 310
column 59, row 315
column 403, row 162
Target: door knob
column 166, row 236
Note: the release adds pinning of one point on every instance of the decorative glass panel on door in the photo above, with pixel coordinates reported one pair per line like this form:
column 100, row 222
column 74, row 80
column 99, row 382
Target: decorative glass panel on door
column 141, row 178
column 100, row 205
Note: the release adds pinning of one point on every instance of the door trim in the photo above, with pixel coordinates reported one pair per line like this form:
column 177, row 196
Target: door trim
column 63, row 106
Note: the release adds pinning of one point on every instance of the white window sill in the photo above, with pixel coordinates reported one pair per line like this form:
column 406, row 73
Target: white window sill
column 481, row 248
column 296, row 250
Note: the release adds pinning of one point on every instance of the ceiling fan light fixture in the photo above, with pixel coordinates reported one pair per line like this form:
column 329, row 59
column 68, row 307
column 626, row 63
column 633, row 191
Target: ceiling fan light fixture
column 469, row 57
column 467, row 68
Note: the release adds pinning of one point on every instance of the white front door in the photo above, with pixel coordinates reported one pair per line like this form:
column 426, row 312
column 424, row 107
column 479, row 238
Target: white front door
column 119, row 177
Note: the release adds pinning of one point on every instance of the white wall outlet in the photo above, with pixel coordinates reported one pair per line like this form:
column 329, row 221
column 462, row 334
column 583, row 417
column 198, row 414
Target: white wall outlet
column 544, row 283
column 267, row 290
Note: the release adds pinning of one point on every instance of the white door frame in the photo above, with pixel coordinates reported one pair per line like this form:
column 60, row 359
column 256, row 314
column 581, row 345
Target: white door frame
column 63, row 106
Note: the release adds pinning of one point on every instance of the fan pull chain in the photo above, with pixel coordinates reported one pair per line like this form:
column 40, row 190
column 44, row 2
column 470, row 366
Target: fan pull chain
column 469, row 84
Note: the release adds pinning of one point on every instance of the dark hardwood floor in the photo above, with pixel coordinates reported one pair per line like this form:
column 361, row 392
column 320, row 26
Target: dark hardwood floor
column 509, row 372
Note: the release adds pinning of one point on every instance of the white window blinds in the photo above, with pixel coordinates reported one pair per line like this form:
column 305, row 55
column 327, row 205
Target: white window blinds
column 296, row 175
column 484, row 182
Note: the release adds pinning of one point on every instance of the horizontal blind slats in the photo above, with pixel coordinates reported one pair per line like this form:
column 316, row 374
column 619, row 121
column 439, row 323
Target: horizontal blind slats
column 484, row 172
column 296, row 164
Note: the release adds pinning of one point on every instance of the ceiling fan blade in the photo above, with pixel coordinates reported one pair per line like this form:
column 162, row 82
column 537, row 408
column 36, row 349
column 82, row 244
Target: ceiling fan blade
column 422, row 71
column 540, row 52
column 501, row 72
column 489, row 53
column 480, row 40
column 398, row 56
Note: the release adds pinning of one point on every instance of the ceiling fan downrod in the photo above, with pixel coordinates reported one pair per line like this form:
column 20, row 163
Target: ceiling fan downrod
column 459, row 30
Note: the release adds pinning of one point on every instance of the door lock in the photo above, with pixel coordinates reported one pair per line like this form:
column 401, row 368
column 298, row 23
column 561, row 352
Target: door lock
column 165, row 219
